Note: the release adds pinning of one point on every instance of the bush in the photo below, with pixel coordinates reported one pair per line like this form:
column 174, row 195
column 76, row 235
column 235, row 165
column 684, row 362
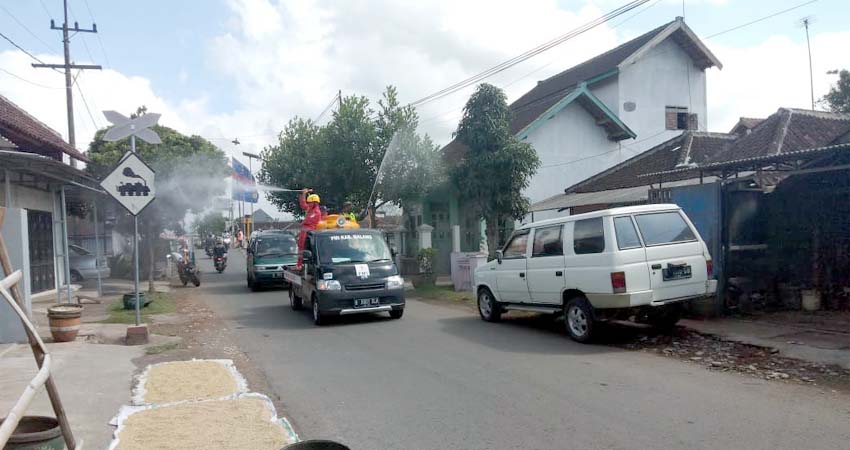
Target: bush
column 426, row 258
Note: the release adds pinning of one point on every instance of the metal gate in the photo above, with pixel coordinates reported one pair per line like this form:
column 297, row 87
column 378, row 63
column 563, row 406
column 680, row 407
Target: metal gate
column 42, row 273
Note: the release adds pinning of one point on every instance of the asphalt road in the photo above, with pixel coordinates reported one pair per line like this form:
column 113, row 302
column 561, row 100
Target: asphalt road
column 440, row 378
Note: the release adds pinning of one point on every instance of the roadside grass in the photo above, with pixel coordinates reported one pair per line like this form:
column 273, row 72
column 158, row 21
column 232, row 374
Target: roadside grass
column 162, row 304
column 161, row 348
column 444, row 293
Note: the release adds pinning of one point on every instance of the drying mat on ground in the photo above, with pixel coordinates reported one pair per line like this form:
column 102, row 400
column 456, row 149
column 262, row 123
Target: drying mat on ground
column 197, row 379
column 246, row 422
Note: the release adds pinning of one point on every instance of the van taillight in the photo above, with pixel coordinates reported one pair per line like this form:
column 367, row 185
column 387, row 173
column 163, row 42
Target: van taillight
column 618, row 282
column 709, row 268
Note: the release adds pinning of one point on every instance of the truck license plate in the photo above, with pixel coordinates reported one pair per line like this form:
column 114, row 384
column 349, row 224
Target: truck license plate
column 277, row 275
column 362, row 302
column 676, row 272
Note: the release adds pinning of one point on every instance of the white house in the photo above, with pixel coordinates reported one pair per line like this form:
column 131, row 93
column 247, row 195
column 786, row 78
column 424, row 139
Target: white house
column 613, row 107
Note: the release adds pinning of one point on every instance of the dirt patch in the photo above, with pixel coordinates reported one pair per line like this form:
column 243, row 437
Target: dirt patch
column 188, row 380
column 243, row 423
column 717, row 354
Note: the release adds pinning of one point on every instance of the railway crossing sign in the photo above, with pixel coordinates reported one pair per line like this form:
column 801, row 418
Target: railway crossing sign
column 131, row 183
column 125, row 127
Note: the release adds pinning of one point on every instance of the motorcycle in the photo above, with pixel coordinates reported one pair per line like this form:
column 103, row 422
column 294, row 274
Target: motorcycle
column 186, row 270
column 220, row 263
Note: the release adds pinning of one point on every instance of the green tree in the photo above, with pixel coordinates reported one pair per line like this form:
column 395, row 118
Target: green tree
column 838, row 98
column 341, row 160
column 496, row 166
column 211, row 222
column 190, row 172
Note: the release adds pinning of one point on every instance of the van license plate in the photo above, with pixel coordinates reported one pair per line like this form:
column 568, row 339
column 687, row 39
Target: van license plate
column 362, row 302
column 677, row 272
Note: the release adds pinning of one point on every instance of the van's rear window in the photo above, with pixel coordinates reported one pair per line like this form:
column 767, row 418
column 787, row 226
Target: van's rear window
column 664, row 228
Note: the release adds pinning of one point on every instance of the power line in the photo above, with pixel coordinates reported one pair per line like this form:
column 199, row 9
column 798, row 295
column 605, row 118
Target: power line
column 530, row 53
column 44, row 7
column 80, row 90
column 28, row 81
column 46, row 45
column 99, row 40
column 328, row 108
column 21, row 48
column 83, row 38
column 761, row 19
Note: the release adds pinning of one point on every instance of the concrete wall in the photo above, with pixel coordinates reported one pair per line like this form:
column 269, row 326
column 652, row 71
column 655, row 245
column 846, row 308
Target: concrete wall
column 14, row 233
column 665, row 76
column 571, row 147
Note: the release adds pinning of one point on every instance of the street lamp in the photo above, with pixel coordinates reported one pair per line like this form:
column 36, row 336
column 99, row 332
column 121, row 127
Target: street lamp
column 251, row 157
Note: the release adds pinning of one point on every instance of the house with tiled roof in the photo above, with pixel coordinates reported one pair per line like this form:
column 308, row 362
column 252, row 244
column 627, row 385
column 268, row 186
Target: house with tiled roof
column 589, row 118
column 769, row 198
column 38, row 173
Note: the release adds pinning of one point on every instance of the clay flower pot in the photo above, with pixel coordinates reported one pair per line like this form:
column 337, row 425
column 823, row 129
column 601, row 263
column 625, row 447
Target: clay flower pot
column 64, row 319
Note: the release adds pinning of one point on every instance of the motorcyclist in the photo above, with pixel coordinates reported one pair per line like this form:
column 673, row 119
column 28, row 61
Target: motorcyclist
column 220, row 250
column 311, row 204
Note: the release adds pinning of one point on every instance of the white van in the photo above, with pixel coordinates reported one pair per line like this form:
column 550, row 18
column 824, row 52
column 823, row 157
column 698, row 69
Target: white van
column 638, row 262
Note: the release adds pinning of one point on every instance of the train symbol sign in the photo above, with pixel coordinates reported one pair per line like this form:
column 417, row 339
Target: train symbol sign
column 131, row 183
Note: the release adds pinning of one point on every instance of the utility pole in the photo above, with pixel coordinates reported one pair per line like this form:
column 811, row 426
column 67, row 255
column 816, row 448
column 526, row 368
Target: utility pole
column 806, row 23
column 66, row 41
column 339, row 98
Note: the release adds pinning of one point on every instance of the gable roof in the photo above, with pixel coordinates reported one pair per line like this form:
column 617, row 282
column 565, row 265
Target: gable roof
column 745, row 125
column 688, row 149
column 614, row 127
column 261, row 216
column 32, row 135
column 550, row 92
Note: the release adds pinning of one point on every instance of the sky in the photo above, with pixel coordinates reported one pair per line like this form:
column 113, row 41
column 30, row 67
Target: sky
column 228, row 69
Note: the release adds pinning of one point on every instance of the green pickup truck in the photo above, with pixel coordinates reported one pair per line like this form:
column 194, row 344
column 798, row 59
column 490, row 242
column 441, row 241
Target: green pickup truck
column 268, row 253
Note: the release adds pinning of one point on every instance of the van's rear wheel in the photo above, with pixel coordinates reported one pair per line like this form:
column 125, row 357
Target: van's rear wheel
column 578, row 317
column 488, row 307
column 294, row 301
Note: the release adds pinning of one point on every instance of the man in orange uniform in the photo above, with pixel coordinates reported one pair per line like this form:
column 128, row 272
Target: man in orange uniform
column 312, row 216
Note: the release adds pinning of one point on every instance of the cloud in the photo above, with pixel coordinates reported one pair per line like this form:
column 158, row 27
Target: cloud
column 757, row 80
column 284, row 59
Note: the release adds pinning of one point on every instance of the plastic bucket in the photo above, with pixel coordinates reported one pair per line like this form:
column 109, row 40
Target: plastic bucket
column 36, row 433
column 316, row 444
column 64, row 320
column 130, row 300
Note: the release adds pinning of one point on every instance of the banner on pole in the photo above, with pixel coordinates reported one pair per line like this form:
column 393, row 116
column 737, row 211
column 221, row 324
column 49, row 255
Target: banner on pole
column 244, row 187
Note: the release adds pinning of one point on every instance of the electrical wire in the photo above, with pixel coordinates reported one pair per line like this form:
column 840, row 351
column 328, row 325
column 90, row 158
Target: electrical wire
column 28, row 81
column 22, row 49
column 85, row 44
column 327, row 108
column 83, row 97
column 43, row 6
column 770, row 16
column 46, row 45
column 523, row 77
column 530, row 53
column 99, row 40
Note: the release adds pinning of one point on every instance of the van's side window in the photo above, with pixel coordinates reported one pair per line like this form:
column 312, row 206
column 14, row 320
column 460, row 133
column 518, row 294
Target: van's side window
column 627, row 236
column 588, row 236
column 547, row 242
column 664, row 228
column 516, row 247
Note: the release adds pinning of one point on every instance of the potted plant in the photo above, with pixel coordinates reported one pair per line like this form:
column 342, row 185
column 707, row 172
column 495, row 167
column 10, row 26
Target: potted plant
column 426, row 276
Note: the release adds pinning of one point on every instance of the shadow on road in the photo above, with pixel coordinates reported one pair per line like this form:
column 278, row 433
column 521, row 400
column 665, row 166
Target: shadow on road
column 536, row 334
column 283, row 317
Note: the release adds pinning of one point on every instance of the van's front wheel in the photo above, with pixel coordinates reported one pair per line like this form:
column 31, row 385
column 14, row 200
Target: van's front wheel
column 488, row 307
column 578, row 317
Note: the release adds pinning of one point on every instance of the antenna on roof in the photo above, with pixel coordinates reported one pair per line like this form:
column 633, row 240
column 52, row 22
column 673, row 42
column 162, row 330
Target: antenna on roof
column 805, row 22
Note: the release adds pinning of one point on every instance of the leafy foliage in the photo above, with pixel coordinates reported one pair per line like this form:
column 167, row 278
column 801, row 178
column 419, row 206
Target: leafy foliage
column 426, row 257
column 496, row 166
column 211, row 222
column 341, row 160
column 838, row 97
